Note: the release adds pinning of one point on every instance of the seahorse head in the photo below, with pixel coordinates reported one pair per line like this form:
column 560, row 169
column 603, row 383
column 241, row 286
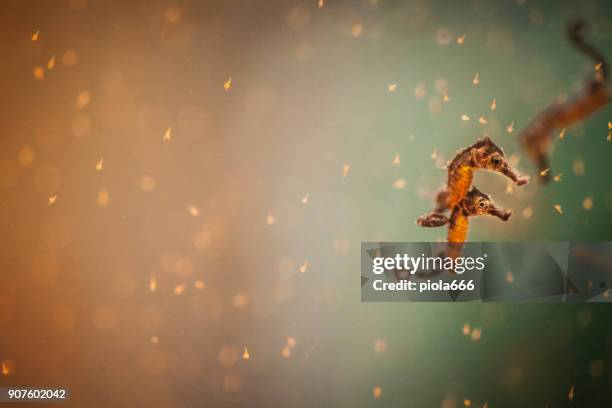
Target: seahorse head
column 479, row 203
column 487, row 155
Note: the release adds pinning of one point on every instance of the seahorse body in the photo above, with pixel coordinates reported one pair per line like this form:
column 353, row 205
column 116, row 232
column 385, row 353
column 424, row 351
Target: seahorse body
column 538, row 136
column 459, row 183
column 458, row 227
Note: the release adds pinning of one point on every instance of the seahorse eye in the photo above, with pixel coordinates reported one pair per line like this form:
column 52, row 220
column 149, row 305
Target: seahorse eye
column 495, row 161
column 482, row 204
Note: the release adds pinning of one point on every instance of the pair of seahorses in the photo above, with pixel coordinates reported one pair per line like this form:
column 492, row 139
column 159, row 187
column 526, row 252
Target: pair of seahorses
column 464, row 200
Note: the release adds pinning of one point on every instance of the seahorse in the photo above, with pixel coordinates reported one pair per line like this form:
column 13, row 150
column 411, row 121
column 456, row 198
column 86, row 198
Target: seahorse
column 473, row 204
column 484, row 154
column 536, row 139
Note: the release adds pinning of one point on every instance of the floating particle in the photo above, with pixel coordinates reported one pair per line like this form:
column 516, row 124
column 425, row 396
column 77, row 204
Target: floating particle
column 562, row 134
column 240, row 300
column 227, row 84
column 396, row 160
column 154, row 339
column 467, row 403
column 167, row 134
column 36, row 35
column 152, row 284
column 26, row 156
column 476, row 79
column 103, row 198
column 345, row 170
column 399, row 184
column 380, row 346
column 461, row 39
column 609, row 125
column 465, row 117
column 245, row 354
column 476, row 334
column 172, row 15
column 419, row 91
column 558, row 208
column 52, row 199
column 571, row 394
column 304, row 267
column 466, row 329
column 270, row 220
column 305, row 199
column 510, row 127
column 545, row 172
column 587, row 203
column 6, row 367
column 199, row 285
column 70, row 58
column 445, row 97
column 179, row 289
column 51, row 63
column 578, row 167
column 557, row 178
column 493, row 104
column 100, row 164
column 291, row 342
column 527, row 213
column 148, row 183
column 509, row 277
column 441, row 85
column 286, row 352
column 193, row 210
column 357, row 30
column 434, row 154
column 39, row 73
column 377, row 392
column 82, row 100
column 321, row 4
column 482, row 120
column 392, row 87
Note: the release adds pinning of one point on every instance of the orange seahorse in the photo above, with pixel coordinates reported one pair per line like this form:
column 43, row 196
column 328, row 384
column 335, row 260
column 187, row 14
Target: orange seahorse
column 484, row 154
column 474, row 203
